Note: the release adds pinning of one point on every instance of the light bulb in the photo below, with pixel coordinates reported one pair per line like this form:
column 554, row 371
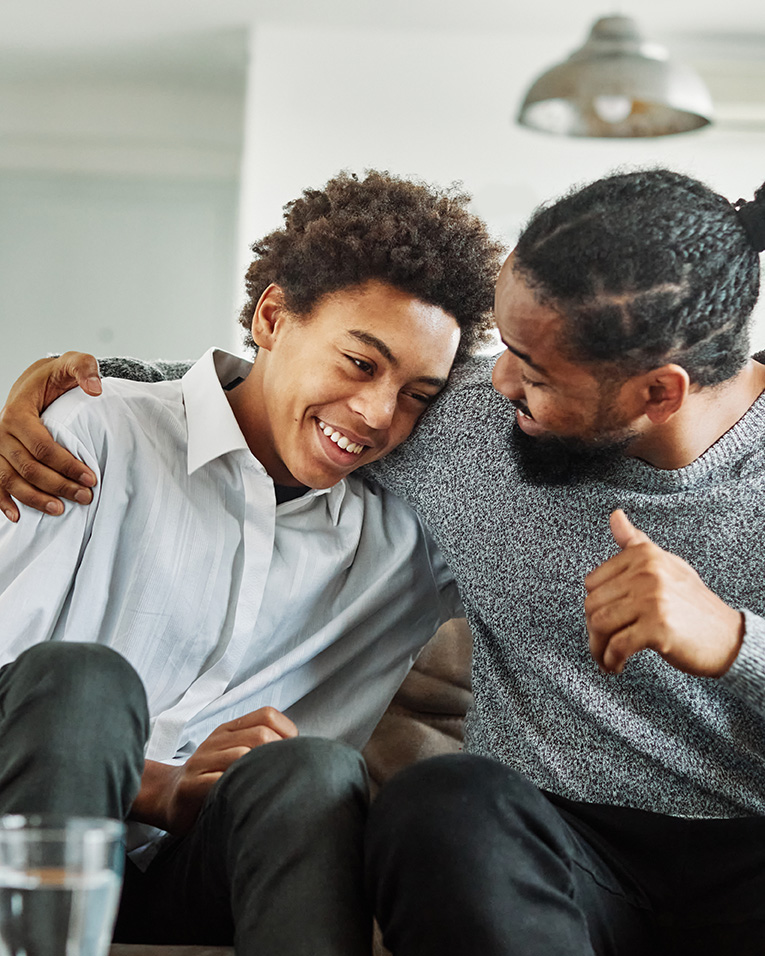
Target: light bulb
column 612, row 109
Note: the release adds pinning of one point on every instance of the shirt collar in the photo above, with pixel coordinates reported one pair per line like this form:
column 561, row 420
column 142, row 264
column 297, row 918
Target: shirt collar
column 211, row 425
column 333, row 497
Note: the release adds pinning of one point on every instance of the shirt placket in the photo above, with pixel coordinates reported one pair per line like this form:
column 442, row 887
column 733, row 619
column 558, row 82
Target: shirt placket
column 258, row 531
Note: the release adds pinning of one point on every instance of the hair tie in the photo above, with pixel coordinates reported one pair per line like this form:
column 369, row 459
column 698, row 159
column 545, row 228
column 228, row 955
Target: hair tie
column 751, row 215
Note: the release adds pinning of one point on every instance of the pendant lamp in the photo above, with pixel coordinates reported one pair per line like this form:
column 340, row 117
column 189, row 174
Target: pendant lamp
column 617, row 84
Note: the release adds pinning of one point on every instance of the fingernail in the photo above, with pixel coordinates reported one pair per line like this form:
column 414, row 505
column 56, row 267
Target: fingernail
column 11, row 515
column 87, row 479
column 54, row 507
column 94, row 384
column 83, row 497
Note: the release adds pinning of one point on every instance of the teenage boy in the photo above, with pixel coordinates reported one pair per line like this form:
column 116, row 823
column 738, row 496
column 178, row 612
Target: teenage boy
column 233, row 583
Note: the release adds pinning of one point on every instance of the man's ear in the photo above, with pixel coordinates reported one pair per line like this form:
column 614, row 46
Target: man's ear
column 664, row 391
column 269, row 313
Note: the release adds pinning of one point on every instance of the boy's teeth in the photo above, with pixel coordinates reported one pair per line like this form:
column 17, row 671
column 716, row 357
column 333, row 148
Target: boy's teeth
column 340, row 440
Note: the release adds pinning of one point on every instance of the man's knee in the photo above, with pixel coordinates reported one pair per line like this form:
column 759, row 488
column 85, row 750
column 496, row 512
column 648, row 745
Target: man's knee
column 437, row 801
column 460, row 838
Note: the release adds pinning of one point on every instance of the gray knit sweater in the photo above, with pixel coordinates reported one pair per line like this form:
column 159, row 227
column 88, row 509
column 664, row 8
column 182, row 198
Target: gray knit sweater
column 652, row 737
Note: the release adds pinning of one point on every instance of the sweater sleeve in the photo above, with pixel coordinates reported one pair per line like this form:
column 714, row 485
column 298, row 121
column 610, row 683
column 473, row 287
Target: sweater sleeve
column 746, row 677
column 139, row 370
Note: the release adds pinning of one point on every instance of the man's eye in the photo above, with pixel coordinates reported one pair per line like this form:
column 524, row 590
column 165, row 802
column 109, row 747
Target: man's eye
column 527, row 381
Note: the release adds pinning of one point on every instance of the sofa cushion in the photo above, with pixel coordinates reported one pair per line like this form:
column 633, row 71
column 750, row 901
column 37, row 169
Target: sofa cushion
column 427, row 715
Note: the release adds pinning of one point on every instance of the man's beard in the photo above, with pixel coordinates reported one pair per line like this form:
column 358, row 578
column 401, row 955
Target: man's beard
column 557, row 460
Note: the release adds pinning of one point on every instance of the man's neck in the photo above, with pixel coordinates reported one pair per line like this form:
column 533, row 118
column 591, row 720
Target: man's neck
column 706, row 415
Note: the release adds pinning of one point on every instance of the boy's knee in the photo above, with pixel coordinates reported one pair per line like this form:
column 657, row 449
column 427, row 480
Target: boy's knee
column 72, row 662
column 323, row 761
column 308, row 770
column 74, row 724
column 73, row 678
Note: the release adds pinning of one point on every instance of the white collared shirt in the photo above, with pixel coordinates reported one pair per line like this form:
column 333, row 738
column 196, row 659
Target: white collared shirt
column 221, row 599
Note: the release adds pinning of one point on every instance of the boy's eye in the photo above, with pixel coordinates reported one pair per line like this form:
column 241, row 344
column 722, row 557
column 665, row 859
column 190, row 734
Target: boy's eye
column 420, row 397
column 361, row 364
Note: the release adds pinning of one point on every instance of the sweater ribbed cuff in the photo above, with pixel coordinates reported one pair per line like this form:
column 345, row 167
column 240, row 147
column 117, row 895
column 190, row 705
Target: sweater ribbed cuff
column 746, row 677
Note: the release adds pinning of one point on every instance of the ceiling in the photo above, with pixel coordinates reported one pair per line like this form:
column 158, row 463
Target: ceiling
column 203, row 43
column 50, row 25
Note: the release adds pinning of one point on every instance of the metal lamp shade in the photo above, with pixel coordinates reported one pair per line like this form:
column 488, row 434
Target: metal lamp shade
column 617, row 84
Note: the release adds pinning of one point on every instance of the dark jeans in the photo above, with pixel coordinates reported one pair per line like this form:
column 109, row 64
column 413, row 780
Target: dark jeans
column 274, row 863
column 465, row 856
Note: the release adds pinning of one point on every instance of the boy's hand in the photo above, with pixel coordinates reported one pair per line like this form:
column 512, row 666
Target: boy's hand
column 33, row 468
column 172, row 796
column 645, row 597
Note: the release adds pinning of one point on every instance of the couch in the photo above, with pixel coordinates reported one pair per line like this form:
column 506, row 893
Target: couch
column 425, row 718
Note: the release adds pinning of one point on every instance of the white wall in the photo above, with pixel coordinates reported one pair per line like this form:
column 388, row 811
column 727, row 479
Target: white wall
column 440, row 106
column 118, row 211
column 113, row 266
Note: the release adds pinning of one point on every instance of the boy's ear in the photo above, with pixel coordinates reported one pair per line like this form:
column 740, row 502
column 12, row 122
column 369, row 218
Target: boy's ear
column 664, row 391
column 269, row 312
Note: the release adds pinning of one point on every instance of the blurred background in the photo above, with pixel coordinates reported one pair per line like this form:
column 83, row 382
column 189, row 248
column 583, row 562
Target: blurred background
column 145, row 143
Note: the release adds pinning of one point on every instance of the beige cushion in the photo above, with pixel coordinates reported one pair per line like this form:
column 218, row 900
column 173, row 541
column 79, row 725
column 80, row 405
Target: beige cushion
column 427, row 715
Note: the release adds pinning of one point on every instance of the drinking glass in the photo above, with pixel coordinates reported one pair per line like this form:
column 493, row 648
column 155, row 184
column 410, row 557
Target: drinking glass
column 59, row 884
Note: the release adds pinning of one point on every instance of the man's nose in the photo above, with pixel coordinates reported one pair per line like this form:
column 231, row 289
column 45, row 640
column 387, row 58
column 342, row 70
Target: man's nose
column 506, row 377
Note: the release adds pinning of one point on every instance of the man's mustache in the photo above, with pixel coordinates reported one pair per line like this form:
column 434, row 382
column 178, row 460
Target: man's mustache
column 522, row 407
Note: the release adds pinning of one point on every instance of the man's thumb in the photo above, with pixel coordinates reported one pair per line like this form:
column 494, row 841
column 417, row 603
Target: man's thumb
column 79, row 368
column 624, row 532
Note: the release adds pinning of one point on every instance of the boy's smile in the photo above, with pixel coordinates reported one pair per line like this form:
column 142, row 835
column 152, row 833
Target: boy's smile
column 344, row 385
column 349, row 445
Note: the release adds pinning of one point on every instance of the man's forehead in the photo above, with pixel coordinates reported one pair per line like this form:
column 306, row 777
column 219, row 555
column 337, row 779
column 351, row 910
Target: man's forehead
column 533, row 330
column 518, row 308
column 505, row 277
column 514, row 289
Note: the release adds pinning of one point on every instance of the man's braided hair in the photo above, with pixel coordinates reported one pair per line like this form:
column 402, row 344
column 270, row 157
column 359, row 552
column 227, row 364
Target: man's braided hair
column 417, row 238
column 646, row 268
